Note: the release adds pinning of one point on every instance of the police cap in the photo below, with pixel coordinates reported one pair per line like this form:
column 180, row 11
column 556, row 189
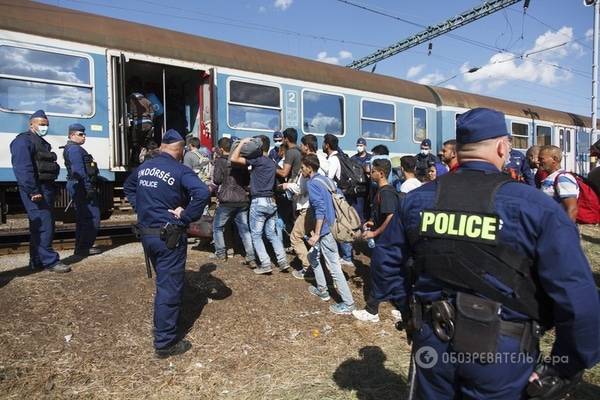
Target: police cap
column 38, row 114
column 480, row 124
column 76, row 128
column 361, row 141
column 172, row 136
column 426, row 143
column 277, row 135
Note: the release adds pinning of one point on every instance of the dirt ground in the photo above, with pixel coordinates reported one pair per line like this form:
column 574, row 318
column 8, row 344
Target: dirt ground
column 88, row 334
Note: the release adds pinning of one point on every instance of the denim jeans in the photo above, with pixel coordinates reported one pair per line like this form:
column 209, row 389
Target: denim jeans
column 222, row 217
column 328, row 247
column 346, row 251
column 263, row 214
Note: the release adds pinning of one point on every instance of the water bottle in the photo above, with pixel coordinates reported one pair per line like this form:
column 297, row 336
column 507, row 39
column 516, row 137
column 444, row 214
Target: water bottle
column 370, row 241
column 316, row 246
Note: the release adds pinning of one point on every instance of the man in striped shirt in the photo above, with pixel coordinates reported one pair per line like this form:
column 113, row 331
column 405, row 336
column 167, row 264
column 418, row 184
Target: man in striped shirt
column 559, row 184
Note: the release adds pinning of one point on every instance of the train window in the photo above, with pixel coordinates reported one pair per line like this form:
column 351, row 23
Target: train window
column 520, row 136
column 543, row 135
column 322, row 113
column 419, row 124
column 59, row 83
column 378, row 120
column 564, row 140
column 254, row 106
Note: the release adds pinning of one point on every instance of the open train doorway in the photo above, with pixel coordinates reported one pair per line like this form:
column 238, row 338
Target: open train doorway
column 150, row 98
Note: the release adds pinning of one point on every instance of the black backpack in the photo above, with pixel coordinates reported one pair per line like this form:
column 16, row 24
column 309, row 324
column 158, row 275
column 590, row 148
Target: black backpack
column 353, row 180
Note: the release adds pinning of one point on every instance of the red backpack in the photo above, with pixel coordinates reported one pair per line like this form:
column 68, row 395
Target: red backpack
column 588, row 203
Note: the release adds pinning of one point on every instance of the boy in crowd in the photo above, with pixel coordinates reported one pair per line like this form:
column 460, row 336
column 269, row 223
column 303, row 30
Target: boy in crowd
column 303, row 217
column 263, row 210
column 321, row 240
column 408, row 166
column 233, row 202
column 383, row 207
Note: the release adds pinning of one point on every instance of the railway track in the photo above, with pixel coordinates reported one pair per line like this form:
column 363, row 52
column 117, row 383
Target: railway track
column 15, row 242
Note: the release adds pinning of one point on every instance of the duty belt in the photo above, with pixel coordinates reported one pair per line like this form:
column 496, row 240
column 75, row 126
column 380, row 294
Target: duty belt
column 143, row 231
column 528, row 332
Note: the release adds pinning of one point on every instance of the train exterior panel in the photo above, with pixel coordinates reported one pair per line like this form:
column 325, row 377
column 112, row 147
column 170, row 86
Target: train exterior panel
column 79, row 68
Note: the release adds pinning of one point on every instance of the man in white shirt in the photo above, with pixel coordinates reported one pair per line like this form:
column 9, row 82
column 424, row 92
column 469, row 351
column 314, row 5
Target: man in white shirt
column 560, row 185
column 330, row 147
column 408, row 165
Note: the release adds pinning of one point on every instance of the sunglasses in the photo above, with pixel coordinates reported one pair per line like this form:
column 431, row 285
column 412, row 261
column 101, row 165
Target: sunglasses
column 80, row 134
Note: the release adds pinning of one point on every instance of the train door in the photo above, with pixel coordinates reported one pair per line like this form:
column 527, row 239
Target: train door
column 179, row 99
column 566, row 142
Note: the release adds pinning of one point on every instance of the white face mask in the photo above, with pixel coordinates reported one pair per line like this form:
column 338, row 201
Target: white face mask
column 41, row 130
column 360, row 149
column 276, row 144
column 424, row 152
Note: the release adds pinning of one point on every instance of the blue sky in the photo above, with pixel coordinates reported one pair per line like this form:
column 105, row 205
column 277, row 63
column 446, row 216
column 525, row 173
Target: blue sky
column 336, row 32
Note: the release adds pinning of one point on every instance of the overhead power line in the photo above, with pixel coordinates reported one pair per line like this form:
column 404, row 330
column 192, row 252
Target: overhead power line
column 432, row 31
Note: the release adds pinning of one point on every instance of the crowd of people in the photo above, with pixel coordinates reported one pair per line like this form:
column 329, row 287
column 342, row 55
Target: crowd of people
column 473, row 260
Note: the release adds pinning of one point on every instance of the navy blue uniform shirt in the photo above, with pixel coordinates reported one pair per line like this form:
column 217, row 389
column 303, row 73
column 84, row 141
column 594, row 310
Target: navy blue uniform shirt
column 163, row 183
column 520, row 165
column 534, row 225
column 75, row 153
column 362, row 160
column 22, row 151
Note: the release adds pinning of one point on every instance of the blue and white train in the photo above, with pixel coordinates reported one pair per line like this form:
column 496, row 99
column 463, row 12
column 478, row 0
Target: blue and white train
column 78, row 67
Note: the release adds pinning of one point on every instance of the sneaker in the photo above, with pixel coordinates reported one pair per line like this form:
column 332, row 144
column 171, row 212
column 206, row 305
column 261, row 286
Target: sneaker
column 263, row 270
column 93, row 251
column 347, row 263
column 284, row 268
column 59, row 267
column 178, row 348
column 213, row 256
column 304, row 273
column 397, row 315
column 250, row 264
column 323, row 294
column 364, row 315
column 341, row 308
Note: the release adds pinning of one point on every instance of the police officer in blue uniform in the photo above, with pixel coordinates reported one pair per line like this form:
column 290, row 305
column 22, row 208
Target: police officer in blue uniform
column 35, row 168
column 482, row 267
column 166, row 196
column 519, row 169
column 82, row 173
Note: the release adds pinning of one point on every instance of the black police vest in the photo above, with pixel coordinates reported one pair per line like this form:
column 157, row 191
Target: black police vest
column 91, row 168
column 45, row 160
column 458, row 243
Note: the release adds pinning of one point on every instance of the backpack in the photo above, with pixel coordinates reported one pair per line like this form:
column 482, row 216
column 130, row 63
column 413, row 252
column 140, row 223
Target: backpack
column 204, row 169
column 588, row 203
column 346, row 226
column 353, row 180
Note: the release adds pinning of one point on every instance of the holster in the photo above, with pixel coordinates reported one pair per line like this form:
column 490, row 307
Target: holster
column 171, row 234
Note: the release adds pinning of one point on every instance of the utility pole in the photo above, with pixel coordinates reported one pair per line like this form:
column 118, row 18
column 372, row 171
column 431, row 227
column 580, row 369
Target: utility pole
column 487, row 8
column 596, row 4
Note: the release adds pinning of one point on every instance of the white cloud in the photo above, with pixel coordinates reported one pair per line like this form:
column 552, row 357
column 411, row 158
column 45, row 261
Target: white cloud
column 262, row 9
column 450, row 87
column 431, row 79
column 342, row 55
column 548, row 50
column 414, row 71
column 283, row 4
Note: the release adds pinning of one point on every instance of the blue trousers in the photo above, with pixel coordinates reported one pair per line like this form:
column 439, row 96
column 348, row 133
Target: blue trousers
column 87, row 214
column 41, row 227
column 170, row 274
column 451, row 377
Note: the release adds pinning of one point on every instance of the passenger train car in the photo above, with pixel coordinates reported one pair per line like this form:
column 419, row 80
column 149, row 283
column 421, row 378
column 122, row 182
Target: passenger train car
column 79, row 67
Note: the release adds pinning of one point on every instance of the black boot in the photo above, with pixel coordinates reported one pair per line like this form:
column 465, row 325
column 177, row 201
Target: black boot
column 178, row 348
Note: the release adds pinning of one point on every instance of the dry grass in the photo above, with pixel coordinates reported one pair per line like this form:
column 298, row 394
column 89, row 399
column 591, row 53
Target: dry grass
column 254, row 337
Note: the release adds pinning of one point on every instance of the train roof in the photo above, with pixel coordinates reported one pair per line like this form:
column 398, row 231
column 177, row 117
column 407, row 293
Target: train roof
column 71, row 25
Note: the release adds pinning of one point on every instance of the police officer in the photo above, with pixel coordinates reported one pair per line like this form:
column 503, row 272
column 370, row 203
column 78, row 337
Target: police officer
column 494, row 264
column 424, row 159
column 35, row 168
column 82, row 173
column 159, row 190
column 518, row 168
